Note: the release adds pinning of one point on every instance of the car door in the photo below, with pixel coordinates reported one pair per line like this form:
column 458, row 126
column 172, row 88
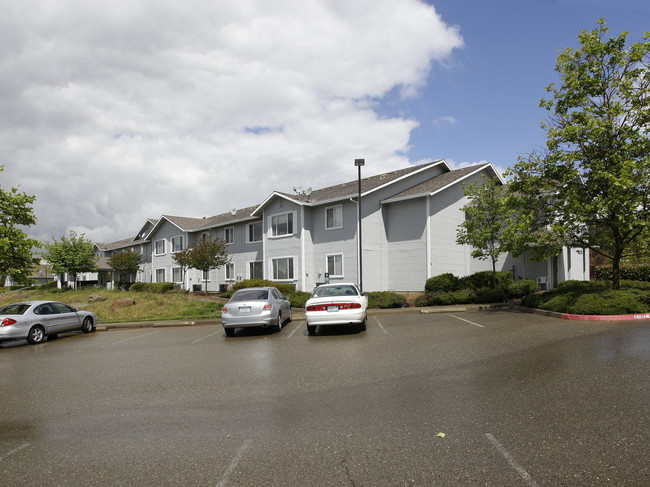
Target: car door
column 50, row 317
column 67, row 317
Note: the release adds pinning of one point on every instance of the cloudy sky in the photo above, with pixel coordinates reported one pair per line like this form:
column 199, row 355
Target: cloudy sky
column 115, row 111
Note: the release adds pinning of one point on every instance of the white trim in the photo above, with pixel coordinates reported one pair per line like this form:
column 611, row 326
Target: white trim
column 229, row 265
column 164, row 272
column 171, row 244
column 337, row 276
column 232, row 232
column 294, row 224
column 155, row 250
column 340, row 211
column 290, row 279
column 303, row 272
column 428, row 239
column 248, row 232
column 248, row 268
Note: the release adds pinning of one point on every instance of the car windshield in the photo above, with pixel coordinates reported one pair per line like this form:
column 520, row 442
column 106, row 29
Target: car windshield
column 14, row 309
column 250, row 295
column 330, row 291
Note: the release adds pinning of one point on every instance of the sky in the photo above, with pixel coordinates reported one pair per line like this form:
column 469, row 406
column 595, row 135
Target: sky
column 116, row 111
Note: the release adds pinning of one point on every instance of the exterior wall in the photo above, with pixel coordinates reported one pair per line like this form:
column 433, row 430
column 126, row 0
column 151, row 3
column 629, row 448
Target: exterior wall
column 288, row 246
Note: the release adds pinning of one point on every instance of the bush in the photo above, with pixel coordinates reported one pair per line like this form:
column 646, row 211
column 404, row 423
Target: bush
column 485, row 279
column 442, row 283
column 299, row 299
column 490, row 295
column 522, row 288
column 283, row 287
column 386, row 299
column 152, row 287
column 627, row 271
column 609, row 303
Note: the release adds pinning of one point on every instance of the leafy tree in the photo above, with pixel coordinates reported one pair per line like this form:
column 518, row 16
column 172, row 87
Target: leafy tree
column 125, row 262
column 72, row 254
column 208, row 254
column 184, row 259
column 485, row 227
column 16, row 257
column 589, row 188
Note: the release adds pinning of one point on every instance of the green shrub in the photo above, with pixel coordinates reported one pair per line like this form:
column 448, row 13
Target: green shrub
column 609, row 303
column 485, row 279
column 386, row 299
column 627, row 271
column 462, row 296
column 490, row 295
column 299, row 298
column 442, row 283
column 152, row 287
column 522, row 288
column 428, row 299
column 283, row 287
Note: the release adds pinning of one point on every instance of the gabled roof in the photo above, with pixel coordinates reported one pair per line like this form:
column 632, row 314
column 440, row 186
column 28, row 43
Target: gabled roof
column 440, row 182
column 351, row 188
column 187, row 224
column 120, row 244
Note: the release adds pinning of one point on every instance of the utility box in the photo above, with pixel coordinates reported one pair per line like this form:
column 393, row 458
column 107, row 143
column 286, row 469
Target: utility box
column 542, row 282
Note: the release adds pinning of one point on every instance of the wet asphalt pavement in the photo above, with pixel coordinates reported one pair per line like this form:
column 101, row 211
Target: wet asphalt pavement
column 493, row 398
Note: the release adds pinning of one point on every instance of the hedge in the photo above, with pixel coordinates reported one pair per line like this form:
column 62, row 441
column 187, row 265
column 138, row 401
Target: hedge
column 386, row 299
column 627, row 272
column 152, row 287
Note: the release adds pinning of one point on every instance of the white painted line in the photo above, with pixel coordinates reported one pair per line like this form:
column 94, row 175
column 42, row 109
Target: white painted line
column 466, row 321
column 131, row 338
column 296, row 329
column 207, row 336
column 522, row 473
column 380, row 325
column 15, row 450
column 226, row 476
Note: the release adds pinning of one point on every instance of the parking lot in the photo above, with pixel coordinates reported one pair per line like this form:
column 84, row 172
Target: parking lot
column 458, row 398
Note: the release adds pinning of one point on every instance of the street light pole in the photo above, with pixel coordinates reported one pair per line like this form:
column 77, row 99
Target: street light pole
column 359, row 163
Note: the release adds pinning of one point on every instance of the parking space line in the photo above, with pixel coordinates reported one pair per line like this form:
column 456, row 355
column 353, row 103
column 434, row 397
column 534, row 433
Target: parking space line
column 226, row 476
column 466, row 321
column 380, row 325
column 296, row 329
column 522, row 473
column 130, row 338
column 15, row 450
column 207, row 336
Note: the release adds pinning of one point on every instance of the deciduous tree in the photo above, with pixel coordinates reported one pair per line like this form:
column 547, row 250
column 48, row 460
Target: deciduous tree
column 72, row 254
column 590, row 186
column 207, row 254
column 125, row 262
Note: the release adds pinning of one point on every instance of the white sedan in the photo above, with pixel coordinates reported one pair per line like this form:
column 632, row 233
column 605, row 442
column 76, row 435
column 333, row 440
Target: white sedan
column 336, row 304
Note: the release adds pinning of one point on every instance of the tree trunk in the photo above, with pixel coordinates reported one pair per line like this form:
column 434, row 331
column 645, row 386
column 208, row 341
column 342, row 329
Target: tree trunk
column 616, row 267
column 494, row 274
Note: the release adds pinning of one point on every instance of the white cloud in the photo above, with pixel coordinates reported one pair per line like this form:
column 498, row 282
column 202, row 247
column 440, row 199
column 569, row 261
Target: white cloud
column 120, row 111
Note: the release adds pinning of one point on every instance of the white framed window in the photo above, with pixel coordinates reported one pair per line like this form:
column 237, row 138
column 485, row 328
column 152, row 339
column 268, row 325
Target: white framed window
column 160, row 275
column 205, row 276
column 335, row 265
column 230, row 271
column 229, row 234
column 254, row 232
column 334, row 217
column 177, row 243
column 256, row 270
column 177, row 274
column 282, row 224
column 159, row 247
column 283, row 269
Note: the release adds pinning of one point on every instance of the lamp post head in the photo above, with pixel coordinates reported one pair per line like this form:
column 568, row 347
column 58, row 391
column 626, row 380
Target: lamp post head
column 359, row 162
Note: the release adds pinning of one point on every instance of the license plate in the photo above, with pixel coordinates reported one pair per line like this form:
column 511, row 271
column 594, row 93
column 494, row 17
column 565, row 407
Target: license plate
column 245, row 309
column 332, row 308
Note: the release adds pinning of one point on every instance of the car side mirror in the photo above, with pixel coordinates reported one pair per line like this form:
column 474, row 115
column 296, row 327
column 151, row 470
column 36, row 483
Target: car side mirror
column 287, row 297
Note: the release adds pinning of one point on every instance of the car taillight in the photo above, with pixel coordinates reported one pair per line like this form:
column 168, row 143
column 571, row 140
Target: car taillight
column 323, row 307
column 268, row 307
column 224, row 310
column 8, row 321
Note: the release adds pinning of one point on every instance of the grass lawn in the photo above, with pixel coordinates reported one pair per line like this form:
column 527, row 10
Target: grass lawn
column 148, row 306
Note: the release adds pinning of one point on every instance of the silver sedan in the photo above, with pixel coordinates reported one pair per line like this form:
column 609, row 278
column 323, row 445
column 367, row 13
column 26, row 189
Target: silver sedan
column 34, row 320
column 256, row 306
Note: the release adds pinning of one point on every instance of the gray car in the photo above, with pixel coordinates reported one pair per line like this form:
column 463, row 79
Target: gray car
column 34, row 320
column 256, row 306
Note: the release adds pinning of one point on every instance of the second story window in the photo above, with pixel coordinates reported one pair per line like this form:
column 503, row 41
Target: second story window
column 177, row 243
column 282, row 224
column 229, row 234
column 255, row 232
column 159, row 247
column 334, row 217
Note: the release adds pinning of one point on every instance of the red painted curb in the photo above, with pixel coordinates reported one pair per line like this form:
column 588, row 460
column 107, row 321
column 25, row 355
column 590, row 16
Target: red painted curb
column 567, row 316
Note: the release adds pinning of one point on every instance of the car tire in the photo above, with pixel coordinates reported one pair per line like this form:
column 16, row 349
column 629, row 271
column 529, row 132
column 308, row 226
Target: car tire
column 229, row 331
column 36, row 335
column 87, row 326
column 362, row 325
column 311, row 330
column 279, row 325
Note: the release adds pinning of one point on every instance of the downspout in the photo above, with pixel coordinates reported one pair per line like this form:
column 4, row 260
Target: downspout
column 302, row 249
column 428, row 239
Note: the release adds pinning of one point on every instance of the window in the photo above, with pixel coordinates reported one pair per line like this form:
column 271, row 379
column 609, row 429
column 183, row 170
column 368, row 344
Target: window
column 160, row 275
column 282, row 224
column 177, row 243
column 229, row 234
column 256, row 270
column 230, row 272
column 205, row 276
column 334, row 217
column 177, row 274
column 283, row 269
column 159, row 247
column 335, row 265
column 255, row 232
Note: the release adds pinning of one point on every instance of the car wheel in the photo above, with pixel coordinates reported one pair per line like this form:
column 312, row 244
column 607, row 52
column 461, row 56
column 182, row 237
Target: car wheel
column 36, row 335
column 279, row 325
column 311, row 329
column 362, row 325
column 87, row 325
column 229, row 331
